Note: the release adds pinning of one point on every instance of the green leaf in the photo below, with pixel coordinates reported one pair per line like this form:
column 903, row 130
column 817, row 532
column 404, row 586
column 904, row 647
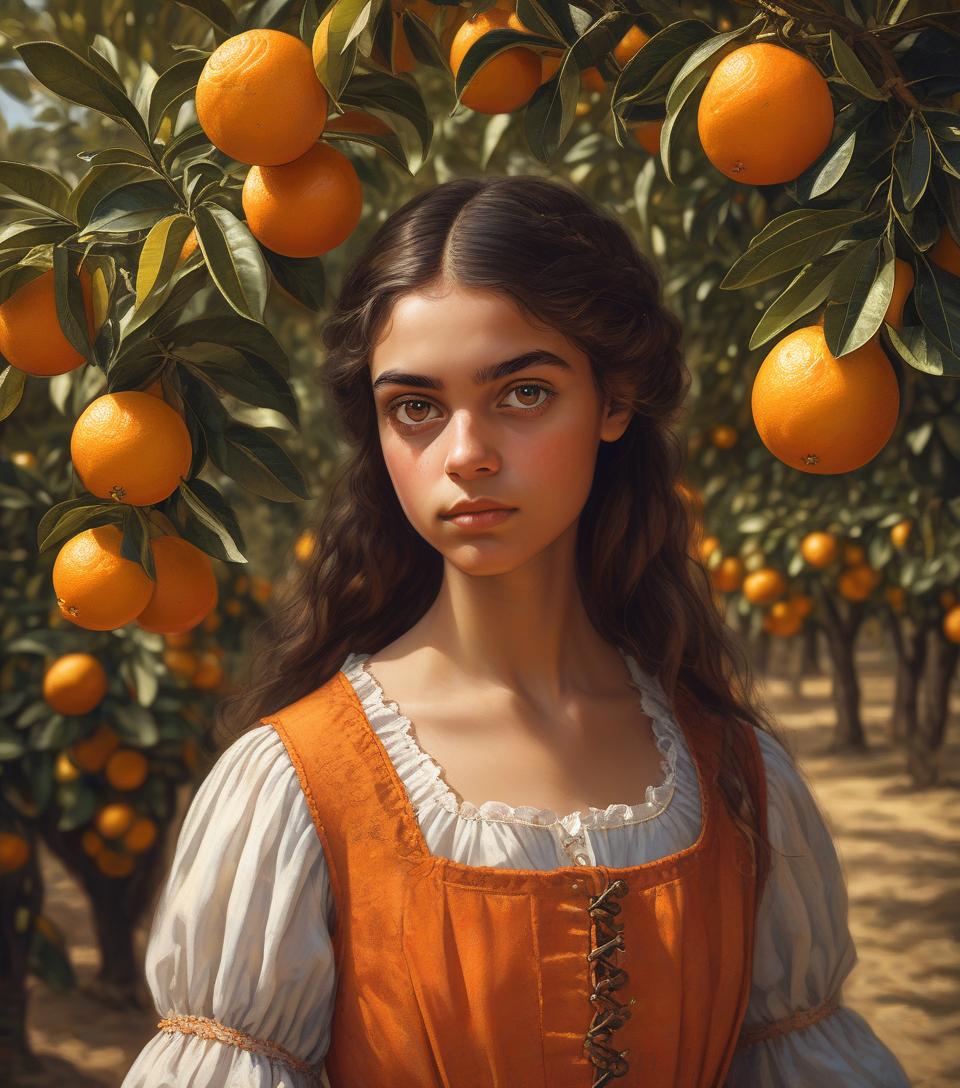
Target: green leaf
column 246, row 336
column 135, row 543
column 243, row 376
column 255, row 460
column 912, row 158
column 937, row 298
column 793, row 239
column 12, row 383
column 863, row 286
column 58, row 525
column 337, row 62
column 849, row 66
column 919, row 348
column 134, row 723
column 70, row 76
column 805, row 292
column 175, row 84
column 68, row 296
column 42, row 187
column 216, row 12
column 233, row 256
column 649, row 72
column 552, row 109
column 160, row 254
column 210, row 523
column 422, row 41
column 130, row 208
column 303, row 277
column 98, row 182
column 389, row 94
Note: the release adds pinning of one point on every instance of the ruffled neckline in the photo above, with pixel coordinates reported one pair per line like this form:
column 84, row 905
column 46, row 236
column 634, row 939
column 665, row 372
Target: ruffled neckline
column 424, row 779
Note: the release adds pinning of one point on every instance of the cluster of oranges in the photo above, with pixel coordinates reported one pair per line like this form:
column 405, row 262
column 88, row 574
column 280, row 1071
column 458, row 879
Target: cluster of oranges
column 132, row 447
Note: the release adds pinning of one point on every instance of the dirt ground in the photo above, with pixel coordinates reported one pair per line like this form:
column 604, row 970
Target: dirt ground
column 900, row 851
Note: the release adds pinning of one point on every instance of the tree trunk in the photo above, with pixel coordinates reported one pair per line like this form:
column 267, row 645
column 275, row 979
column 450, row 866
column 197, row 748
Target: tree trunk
column 928, row 738
column 117, row 905
column 909, row 645
column 21, row 900
column 841, row 634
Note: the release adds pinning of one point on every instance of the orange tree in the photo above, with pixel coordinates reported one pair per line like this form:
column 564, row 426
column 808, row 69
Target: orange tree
column 161, row 265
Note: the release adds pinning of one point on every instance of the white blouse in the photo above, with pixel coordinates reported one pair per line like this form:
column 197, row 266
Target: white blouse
column 235, row 936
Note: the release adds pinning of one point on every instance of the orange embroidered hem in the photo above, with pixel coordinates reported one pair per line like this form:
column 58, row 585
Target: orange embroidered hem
column 207, row 1028
column 802, row 1019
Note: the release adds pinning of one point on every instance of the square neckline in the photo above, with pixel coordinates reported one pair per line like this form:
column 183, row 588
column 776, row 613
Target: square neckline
column 495, row 876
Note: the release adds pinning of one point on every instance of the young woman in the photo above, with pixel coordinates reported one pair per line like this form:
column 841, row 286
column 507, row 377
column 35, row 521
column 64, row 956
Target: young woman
column 500, row 806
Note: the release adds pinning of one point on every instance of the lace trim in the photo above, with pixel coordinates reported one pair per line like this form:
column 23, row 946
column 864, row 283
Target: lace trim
column 801, row 1019
column 205, row 1027
column 390, row 723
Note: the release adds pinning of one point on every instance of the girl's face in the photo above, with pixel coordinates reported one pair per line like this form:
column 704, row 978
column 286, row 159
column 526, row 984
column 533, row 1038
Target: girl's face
column 525, row 437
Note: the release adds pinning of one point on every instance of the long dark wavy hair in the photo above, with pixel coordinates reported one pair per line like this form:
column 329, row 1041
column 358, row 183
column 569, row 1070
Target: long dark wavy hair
column 372, row 576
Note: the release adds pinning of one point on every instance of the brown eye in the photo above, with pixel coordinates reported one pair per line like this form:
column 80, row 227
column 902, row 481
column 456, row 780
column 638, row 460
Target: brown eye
column 418, row 404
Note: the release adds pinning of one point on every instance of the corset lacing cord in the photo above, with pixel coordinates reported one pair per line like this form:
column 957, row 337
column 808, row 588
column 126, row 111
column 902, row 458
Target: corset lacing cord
column 207, row 1028
column 609, row 1014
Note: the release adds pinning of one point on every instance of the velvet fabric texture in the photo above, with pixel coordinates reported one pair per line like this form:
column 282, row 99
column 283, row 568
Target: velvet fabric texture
column 462, row 976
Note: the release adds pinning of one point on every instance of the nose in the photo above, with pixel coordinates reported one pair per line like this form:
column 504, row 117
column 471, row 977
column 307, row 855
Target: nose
column 471, row 445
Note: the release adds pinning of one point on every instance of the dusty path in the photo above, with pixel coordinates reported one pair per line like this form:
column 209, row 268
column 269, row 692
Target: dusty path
column 900, row 851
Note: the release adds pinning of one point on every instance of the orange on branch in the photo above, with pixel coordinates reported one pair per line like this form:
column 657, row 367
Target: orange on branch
column 306, row 207
column 186, row 588
column 209, row 674
column 31, row 337
column 403, row 58
column 647, row 135
column 819, row 549
column 723, row 437
column 903, row 280
column 306, row 542
column 14, row 852
column 91, row 753
column 727, row 576
column 358, row 121
column 114, row 863
column 188, row 248
column 181, row 662
column 126, row 769
column 946, row 253
column 821, row 414
column 765, row 114
column 258, row 98
column 800, row 603
column 853, row 554
column 856, row 583
column 64, row 770
column 628, row 46
column 895, row 597
column 24, row 458
column 141, row 836
column 764, row 586
column 507, row 81
column 75, row 683
column 951, row 624
column 97, row 588
column 131, row 447
column 114, row 819
column 900, row 532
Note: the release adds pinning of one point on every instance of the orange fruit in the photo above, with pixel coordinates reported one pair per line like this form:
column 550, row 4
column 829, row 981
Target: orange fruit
column 948, row 599
column 91, row 842
column 708, row 546
column 233, row 607
column 212, row 622
column 261, row 589
column 98, row 588
column 628, row 46
column 764, row 586
column 75, row 683
column 131, row 447
column 114, row 819
column 141, row 836
column 723, row 437
column 14, row 852
column 900, row 532
column 782, row 621
column 507, row 81
column 187, row 250
column 946, row 253
column 258, row 98
column 209, row 672
column 728, row 575
column 800, row 603
column 181, row 662
column 241, row 584
column 896, row 597
column 403, row 58
column 126, row 769
column 358, row 121
column 903, row 280
column 113, row 863
column 306, row 542
column 186, row 588
column 819, row 549
column 856, row 583
column 765, row 114
column 92, row 752
column 24, row 459
column 647, row 135
column 178, row 640
column 64, row 770
column 821, row 414
column 31, row 337
column 305, row 207
column 951, row 624
column 853, row 554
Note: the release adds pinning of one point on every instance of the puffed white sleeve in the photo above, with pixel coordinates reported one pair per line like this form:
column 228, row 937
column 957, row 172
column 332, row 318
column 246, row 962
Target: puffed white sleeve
column 797, row 1033
column 240, row 938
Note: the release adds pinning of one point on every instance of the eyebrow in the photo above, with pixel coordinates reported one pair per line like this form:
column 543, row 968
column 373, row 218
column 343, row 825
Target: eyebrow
column 481, row 376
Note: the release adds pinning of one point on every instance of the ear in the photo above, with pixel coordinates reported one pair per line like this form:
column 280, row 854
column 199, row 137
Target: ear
column 616, row 419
